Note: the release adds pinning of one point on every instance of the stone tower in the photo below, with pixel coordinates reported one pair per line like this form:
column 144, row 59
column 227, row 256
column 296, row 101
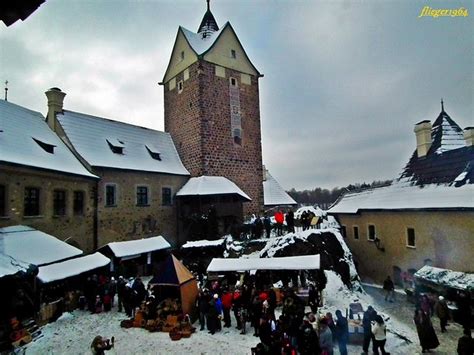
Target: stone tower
column 212, row 107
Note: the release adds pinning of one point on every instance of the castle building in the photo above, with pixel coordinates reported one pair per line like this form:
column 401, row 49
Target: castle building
column 212, row 107
column 425, row 217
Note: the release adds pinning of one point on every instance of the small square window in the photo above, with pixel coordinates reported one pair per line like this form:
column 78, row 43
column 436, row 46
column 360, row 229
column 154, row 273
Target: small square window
column 180, row 86
column 182, row 55
column 411, row 239
column 233, row 54
column 233, row 81
column 166, row 199
column 142, row 196
column 59, row 203
column 110, row 195
column 356, row 232
column 371, row 232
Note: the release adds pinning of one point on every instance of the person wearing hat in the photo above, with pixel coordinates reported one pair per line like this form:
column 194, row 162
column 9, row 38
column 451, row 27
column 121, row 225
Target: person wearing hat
column 442, row 311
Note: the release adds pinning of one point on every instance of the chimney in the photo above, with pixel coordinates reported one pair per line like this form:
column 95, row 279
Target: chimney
column 469, row 136
column 55, row 105
column 423, row 137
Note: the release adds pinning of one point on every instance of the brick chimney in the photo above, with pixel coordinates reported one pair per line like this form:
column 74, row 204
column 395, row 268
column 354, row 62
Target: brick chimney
column 55, row 105
column 469, row 136
column 423, row 137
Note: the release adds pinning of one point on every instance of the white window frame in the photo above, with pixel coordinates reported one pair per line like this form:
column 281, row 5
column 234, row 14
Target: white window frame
column 406, row 239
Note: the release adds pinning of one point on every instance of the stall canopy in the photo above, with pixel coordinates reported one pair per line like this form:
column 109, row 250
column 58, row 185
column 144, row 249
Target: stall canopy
column 72, row 267
column 305, row 262
column 447, row 278
column 35, row 247
column 9, row 266
column 173, row 273
column 211, row 185
column 137, row 247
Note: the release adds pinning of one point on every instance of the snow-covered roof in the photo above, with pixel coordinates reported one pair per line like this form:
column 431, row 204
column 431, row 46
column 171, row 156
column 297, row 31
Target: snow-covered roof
column 72, row 267
column 140, row 246
column 204, row 243
column 33, row 246
column 403, row 196
column 445, row 277
column 274, row 194
column 210, row 185
column 137, row 148
column 305, row 262
column 11, row 266
column 446, row 134
column 24, row 133
column 199, row 44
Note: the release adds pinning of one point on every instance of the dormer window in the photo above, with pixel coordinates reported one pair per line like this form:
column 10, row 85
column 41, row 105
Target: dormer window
column 115, row 145
column 233, row 55
column 154, row 153
column 47, row 147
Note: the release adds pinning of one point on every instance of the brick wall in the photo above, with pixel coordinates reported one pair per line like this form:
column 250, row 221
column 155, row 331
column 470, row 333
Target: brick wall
column 79, row 229
column 198, row 119
column 126, row 220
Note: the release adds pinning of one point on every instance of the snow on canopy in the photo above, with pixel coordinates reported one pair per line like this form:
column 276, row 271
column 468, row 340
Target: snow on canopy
column 35, row 247
column 11, row 266
column 318, row 212
column 274, row 194
column 72, row 267
column 305, row 262
column 399, row 196
column 211, row 185
column 444, row 277
column 24, row 135
column 140, row 246
column 95, row 137
column 203, row 243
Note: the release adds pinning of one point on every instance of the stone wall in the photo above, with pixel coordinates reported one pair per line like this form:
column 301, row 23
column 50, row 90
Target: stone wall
column 78, row 230
column 443, row 239
column 126, row 220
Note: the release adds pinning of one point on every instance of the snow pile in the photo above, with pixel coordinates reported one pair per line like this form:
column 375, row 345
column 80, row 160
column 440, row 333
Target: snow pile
column 445, row 277
column 203, row 243
column 10, row 266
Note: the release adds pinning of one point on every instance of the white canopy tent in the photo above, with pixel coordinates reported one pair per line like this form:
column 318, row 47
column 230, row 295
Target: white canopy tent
column 304, row 262
column 72, row 267
column 211, row 185
column 137, row 247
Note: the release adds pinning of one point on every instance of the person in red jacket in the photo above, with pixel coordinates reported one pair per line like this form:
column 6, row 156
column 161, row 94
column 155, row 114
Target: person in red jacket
column 279, row 219
column 226, row 306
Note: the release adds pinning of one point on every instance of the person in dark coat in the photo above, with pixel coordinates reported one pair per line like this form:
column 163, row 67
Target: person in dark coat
column 442, row 311
column 313, row 299
column 466, row 343
column 342, row 332
column 464, row 307
column 308, row 340
column 389, row 289
column 212, row 316
column 267, row 223
column 369, row 316
column 258, row 227
column 290, row 221
column 426, row 333
column 120, row 292
column 203, row 307
column 256, row 314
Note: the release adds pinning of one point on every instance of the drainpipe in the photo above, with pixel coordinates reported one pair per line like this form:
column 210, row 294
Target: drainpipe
column 96, row 217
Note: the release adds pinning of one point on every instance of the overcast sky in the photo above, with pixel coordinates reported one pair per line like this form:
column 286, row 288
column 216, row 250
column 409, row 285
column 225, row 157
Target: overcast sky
column 344, row 84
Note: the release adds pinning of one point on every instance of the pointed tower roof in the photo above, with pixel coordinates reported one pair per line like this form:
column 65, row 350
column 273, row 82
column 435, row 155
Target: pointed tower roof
column 208, row 24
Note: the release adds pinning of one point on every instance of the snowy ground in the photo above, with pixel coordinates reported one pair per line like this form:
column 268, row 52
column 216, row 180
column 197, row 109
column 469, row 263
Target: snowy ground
column 73, row 332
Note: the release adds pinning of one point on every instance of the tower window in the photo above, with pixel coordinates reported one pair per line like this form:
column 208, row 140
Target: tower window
column 238, row 136
column 180, row 86
column 32, row 201
column 110, row 195
column 233, row 54
column 182, row 55
column 78, row 203
column 59, row 202
column 411, row 239
column 233, row 81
